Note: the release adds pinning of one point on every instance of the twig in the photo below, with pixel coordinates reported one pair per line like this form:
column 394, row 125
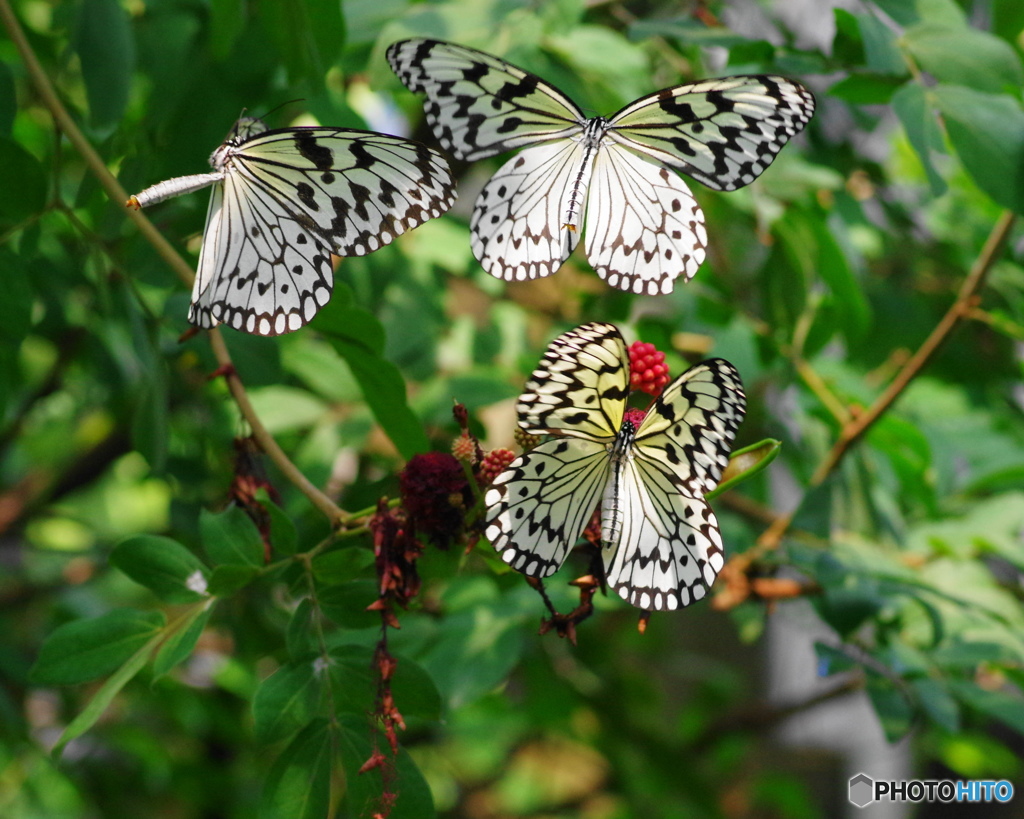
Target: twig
column 855, row 430
column 858, row 426
column 183, row 270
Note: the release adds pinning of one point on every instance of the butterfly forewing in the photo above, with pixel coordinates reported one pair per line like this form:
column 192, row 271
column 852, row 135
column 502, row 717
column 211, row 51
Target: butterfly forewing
column 479, row 105
column 689, row 431
column 580, row 387
column 355, row 190
column 723, row 132
column 644, row 228
column 539, row 506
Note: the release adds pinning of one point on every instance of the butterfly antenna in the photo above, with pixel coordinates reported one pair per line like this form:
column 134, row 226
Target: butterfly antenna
column 282, row 105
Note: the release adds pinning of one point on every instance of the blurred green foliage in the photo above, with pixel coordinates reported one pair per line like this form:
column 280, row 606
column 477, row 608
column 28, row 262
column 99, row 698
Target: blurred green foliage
column 189, row 678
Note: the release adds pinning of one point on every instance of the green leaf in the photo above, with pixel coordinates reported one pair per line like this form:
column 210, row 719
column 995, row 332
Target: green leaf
column 1001, row 705
column 308, row 36
column 848, row 299
column 283, row 535
column 911, row 106
column 8, row 100
column 164, row 566
column 15, row 299
column 106, row 47
column 286, row 700
column 363, row 792
column 881, row 51
column 686, row 30
column 178, row 645
column 227, row 20
column 961, row 55
column 106, row 693
column 299, row 783
column 83, row 650
column 345, row 603
column 301, row 634
column 936, row 701
column 230, row 538
column 414, row 691
column 890, row 703
column 150, row 423
column 987, row 131
column 359, row 338
column 865, row 89
column 22, row 183
column 745, row 463
column 341, row 565
column 226, row 580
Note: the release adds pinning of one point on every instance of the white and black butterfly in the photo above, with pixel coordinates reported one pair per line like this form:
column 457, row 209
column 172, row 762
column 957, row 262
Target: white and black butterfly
column 644, row 228
column 283, row 201
column 660, row 540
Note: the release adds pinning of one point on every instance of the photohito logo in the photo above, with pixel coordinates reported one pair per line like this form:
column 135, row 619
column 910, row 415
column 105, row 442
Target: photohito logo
column 864, row 790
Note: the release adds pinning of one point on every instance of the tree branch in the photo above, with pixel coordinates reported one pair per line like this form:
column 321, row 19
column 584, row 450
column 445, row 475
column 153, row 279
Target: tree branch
column 167, row 252
column 852, row 432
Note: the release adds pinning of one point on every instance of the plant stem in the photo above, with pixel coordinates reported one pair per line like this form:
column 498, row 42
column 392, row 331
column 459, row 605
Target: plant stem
column 857, row 427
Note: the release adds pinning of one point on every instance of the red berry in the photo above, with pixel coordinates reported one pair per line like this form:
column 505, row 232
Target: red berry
column 647, row 370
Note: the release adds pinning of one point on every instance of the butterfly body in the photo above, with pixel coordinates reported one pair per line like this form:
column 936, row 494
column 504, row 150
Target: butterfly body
column 605, row 177
column 285, row 200
column 660, row 541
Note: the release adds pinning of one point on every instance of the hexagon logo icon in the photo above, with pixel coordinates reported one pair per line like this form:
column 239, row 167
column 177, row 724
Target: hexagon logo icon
column 862, row 790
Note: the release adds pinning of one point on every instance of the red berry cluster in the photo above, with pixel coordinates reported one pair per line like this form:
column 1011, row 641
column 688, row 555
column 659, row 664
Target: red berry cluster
column 494, row 464
column 647, row 370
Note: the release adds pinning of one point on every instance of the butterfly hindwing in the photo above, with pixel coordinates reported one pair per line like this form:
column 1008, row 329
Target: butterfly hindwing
column 668, row 550
column 479, row 105
column 723, row 132
column 644, row 229
column 538, row 507
column 259, row 270
column 580, row 386
column 519, row 229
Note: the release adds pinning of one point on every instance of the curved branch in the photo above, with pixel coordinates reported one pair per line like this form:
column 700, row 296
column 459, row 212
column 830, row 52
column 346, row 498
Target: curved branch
column 857, row 427
column 167, row 252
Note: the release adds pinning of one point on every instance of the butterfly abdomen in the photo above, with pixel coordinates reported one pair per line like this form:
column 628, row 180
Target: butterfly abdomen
column 620, row 451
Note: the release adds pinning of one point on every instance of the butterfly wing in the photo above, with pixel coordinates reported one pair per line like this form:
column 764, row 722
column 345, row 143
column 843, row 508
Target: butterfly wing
column 688, row 432
column 292, row 197
column 669, row 550
column 526, row 220
column 580, row 387
column 260, row 271
column 644, row 228
column 666, row 549
column 538, row 507
column 540, row 504
column 479, row 105
column 723, row 132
